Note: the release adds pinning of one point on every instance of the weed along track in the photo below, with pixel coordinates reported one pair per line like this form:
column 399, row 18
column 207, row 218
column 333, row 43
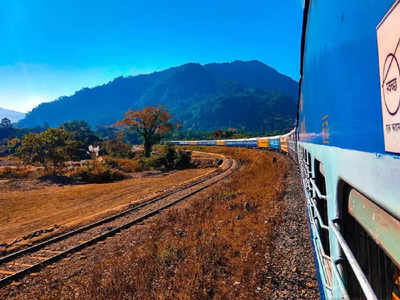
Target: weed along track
column 18, row 264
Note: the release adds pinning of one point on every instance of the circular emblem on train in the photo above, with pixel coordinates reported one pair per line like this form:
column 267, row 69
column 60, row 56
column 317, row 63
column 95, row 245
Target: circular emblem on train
column 390, row 84
column 388, row 38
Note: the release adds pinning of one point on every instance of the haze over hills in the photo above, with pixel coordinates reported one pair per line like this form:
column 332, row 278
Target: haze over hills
column 248, row 95
column 13, row 116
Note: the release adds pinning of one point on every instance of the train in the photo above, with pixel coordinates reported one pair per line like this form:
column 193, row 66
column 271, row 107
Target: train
column 346, row 143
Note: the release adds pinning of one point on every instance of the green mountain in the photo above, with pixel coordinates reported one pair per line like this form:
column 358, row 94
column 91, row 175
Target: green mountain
column 248, row 95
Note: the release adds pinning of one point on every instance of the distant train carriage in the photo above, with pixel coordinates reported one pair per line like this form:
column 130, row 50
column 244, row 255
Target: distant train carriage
column 275, row 143
column 284, row 143
column 232, row 143
column 179, row 143
column 220, row 143
column 251, row 143
column 206, row 143
column 192, row 143
column 263, row 143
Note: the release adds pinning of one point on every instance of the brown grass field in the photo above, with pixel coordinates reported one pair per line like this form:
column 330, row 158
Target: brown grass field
column 214, row 247
column 24, row 212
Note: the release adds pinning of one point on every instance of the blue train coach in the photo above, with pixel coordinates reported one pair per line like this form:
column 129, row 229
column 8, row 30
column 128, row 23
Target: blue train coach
column 275, row 143
column 349, row 144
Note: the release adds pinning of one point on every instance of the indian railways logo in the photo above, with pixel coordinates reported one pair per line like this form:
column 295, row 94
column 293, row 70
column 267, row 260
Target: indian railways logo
column 388, row 38
column 390, row 83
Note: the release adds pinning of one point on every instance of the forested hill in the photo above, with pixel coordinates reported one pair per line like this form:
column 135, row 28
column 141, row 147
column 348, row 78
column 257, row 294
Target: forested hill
column 248, row 95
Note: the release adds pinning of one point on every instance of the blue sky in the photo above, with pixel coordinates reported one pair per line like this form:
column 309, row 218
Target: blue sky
column 53, row 48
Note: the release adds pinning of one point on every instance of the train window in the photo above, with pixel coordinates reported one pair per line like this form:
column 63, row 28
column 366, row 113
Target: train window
column 381, row 272
column 322, row 204
column 319, row 176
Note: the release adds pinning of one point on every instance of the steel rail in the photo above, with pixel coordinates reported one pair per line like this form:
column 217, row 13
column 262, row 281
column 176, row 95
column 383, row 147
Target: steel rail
column 227, row 172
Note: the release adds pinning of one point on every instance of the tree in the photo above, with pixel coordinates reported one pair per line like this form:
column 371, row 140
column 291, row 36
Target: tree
column 13, row 145
column 50, row 148
column 80, row 131
column 151, row 123
column 5, row 123
column 117, row 148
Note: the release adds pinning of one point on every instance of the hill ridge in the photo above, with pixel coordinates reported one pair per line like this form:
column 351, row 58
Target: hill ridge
column 190, row 91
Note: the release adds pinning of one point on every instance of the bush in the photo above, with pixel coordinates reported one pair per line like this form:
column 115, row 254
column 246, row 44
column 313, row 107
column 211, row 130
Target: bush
column 51, row 148
column 112, row 163
column 117, row 148
column 100, row 175
column 155, row 161
column 130, row 165
column 14, row 173
column 169, row 156
column 169, row 159
column 183, row 160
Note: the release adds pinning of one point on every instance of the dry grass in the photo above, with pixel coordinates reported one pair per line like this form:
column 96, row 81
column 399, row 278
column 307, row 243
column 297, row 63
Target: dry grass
column 16, row 173
column 221, row 251
column 23, row 212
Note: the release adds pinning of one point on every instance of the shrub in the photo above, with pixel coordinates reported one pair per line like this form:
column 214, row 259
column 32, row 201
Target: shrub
column 102, row 174
column 155, row 161
column 14, row 173
column 125, row 165
column 112, row 163
column 169, row 156
column 117, row 148
column 168, row 159
column 183, row 160
column 130, row 165
column 50, row 148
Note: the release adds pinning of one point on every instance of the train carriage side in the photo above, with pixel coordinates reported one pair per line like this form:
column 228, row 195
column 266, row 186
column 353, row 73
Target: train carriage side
column 348, row 144
column 275, row 143
column 251, row 142
column 263, row 143
column 284, row 143
column 207, row 143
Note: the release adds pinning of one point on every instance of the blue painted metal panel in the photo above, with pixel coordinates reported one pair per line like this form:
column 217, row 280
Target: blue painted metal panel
column 275, row 143
column 340, row 88
column 230, row 143
column 251, row 143
column 207, row 143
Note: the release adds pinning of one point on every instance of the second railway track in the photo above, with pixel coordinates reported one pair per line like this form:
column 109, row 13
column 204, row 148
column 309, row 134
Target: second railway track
column 20, row 263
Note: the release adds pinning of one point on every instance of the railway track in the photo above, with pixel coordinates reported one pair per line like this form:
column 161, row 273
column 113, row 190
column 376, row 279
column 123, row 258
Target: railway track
column 18, row 264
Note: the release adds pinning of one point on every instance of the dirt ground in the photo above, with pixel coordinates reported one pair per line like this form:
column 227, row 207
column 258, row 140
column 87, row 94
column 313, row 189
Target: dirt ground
column 30, row 215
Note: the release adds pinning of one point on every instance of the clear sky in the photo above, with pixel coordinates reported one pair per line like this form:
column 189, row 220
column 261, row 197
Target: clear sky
column 51, row 48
